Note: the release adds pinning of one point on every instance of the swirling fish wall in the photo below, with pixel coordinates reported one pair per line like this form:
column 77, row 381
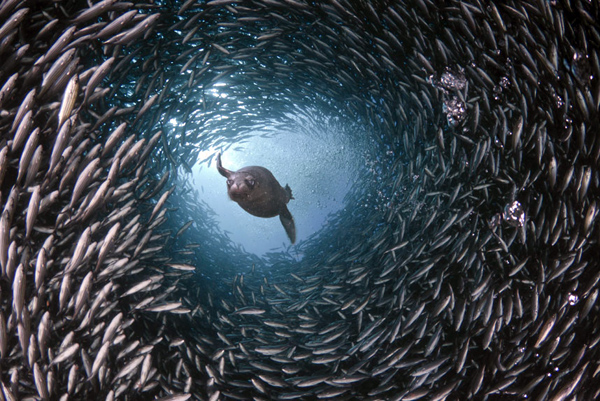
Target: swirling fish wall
column 464, row 264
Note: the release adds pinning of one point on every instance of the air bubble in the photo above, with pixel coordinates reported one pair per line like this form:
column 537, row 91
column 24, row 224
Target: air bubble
column 514, row 214
column 573, row 299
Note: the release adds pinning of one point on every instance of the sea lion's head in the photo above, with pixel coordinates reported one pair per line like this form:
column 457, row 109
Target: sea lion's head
column 240, row 186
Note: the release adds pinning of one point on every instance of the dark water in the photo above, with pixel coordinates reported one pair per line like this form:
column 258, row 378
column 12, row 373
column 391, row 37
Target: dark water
column 444, row 163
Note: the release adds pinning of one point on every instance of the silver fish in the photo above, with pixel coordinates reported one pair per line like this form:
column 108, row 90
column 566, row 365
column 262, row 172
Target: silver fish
column 57, row 47
column 18, row 288
column 66, row 354
column 69, row 98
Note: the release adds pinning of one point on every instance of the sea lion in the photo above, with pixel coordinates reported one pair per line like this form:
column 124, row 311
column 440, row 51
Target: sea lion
column 257, row 191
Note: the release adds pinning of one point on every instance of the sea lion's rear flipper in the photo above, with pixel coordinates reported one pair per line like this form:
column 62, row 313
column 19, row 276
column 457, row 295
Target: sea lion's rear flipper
column 288, row 223
column 223, row 171
column 288, row 192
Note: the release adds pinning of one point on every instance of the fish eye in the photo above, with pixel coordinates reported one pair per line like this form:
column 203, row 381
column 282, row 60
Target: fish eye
column 250, row 183
column 229, row 182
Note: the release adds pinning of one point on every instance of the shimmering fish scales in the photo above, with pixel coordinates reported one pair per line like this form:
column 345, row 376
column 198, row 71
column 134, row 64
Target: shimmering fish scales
column 129, row 368
column 100, row 358
column 67, row 353
column 83, row 294
column 80, row 250
column 18, row 289
column 40, row 382
column 32, row 211
column 69, row 98
column 24, row 108
column 27, row 154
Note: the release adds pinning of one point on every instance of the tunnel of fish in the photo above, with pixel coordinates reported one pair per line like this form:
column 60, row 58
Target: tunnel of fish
column 463, row 266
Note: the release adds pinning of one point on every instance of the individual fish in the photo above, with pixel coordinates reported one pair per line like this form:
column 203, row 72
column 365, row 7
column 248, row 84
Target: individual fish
column 132, row 34
column 32, row 210
column 112, row 328
column 83, row 294
column 25, row 107
column 66, row 354
column 129, row 368
column 100, row 358
column 18, row 289
column 57, row 47
column 250, row 311
column 94, row 11
column 68, row 101
column 165, row 307
column 60, row 143
column 183, row 228
column 27, row 154
column 57, row 70
column 80, row 250
column 8, row 87
column 96, row 78
column 115, row 26
column 84, row 179
column 182, row 266
column 178, row 397
column 40, row 382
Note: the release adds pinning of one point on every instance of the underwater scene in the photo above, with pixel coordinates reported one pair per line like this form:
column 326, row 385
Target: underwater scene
column 299, row 200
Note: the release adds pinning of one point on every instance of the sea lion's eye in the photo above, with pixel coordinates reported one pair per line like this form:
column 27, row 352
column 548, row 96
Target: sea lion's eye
column 250, row 183
column 229, row 182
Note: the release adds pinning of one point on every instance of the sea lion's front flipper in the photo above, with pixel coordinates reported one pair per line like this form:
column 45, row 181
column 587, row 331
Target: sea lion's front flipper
column 223, row 171
column 288, row 223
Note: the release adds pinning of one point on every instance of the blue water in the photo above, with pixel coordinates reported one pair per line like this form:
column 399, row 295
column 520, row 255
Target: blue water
column 319, row 166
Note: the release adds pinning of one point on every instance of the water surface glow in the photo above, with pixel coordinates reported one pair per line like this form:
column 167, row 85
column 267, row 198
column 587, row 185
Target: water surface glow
column 318, row 166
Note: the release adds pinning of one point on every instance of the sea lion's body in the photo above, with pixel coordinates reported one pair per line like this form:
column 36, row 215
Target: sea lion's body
column 257, row 191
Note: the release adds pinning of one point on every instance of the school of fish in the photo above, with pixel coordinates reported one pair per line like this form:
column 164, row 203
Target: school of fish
column 464, row 266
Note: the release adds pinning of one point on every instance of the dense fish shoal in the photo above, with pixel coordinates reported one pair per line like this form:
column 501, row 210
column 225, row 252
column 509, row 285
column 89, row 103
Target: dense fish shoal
column 463, row 266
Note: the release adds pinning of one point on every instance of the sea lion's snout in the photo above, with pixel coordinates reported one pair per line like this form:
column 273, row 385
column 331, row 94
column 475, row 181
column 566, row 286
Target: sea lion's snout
column 237, row 193
column 239, row 188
